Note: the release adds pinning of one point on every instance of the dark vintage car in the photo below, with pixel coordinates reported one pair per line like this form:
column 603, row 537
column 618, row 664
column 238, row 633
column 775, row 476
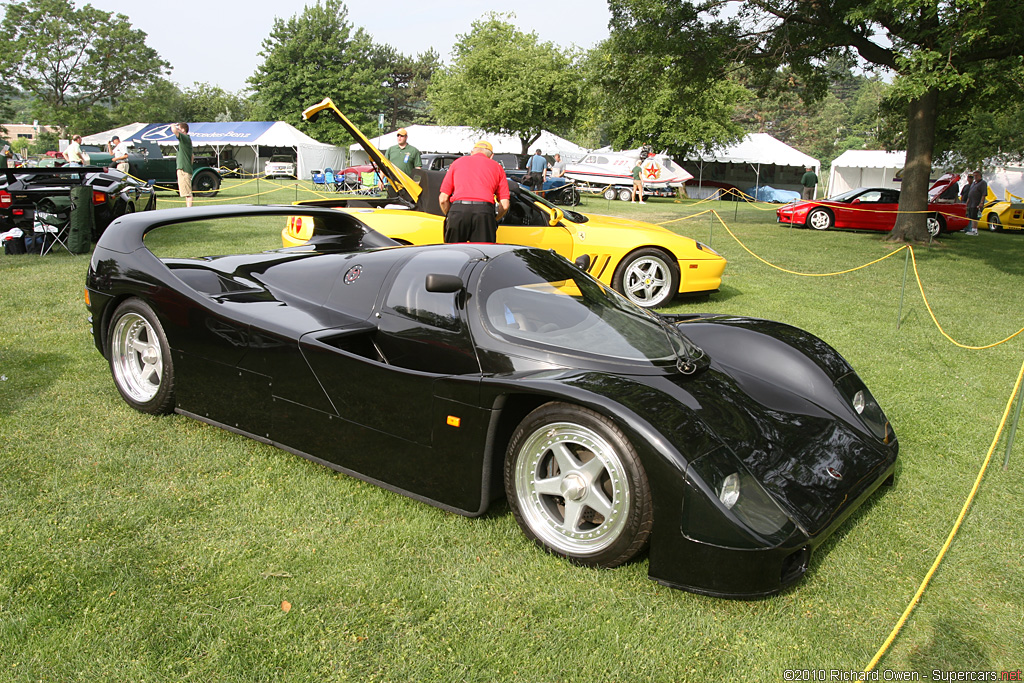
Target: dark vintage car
column 147, row 162
column 876, row 208
column 729, row 446
column 29, row 194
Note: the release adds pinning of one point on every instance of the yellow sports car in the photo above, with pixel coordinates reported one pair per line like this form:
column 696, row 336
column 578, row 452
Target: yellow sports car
column 646, row 263
column 1005, row 214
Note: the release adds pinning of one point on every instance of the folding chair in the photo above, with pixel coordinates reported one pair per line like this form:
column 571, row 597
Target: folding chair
column 52, row 221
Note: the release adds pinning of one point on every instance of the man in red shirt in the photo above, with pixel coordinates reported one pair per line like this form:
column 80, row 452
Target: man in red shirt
column 467, row 196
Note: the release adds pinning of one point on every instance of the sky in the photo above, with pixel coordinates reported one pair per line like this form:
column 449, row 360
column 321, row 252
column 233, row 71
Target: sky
column 218, row 42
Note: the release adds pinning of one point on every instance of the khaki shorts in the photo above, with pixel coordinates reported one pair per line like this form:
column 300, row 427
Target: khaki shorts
column 123, row 167
column 638, row 184
column 184, row 183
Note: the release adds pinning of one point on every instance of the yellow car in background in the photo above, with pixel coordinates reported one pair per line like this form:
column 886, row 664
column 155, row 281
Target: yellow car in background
column 1006, row 214
column 646, row 263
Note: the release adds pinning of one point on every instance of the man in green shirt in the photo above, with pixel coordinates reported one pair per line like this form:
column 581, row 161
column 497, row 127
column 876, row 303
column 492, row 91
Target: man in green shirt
column 404, row 156
column 809, row 180
column 184, row 162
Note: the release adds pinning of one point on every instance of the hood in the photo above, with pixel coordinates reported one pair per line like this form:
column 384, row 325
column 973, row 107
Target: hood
column 405, row 186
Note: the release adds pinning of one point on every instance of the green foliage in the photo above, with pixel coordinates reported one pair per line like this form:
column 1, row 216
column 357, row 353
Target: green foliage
column 406, row 83
column 504, row 81
column 75, row 63
column 314, row 55
column 662, row 83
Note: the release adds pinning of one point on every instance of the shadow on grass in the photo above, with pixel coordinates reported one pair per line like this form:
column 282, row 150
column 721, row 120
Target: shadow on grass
column 951, row 648
column 1002, row 251
column 27, row 375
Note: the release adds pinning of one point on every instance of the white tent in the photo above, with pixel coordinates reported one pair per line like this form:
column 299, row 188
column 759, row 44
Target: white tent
column 865, row 168
column 460, row 139
column 245, row 138
column 755, row 161
column 122, row 132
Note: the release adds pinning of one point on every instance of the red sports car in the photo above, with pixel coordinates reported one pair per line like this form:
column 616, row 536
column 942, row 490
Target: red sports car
column 874, row 208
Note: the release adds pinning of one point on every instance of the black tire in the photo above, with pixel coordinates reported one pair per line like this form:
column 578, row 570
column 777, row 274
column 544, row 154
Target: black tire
column 609, row 193
column 936, row 225
column 140, row 358
column 993, row 221
column 820, row 219
column 648, row 277
column 205, row 184
column 576, row 486
column 627, row 195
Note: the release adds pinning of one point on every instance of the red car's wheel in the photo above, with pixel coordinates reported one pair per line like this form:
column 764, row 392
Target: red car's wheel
column 936, row 225
column 820, row 219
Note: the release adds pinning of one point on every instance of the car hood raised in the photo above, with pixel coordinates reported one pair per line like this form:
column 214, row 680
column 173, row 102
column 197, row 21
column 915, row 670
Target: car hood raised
column 405, row 186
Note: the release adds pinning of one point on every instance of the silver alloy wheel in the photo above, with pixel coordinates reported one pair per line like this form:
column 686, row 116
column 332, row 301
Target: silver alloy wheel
column 934, row 226
column 819, row 219
column 137, row 361
column 647, row 281
column 572, row 489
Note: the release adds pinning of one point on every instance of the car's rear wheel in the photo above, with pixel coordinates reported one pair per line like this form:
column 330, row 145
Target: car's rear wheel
column 140, row 358
column 609, row 193
column 993, row 222
column 576, row 486
column 205, row 184
column 936, row 225
column 820, row 219
column 647, row 277
column 627, row 195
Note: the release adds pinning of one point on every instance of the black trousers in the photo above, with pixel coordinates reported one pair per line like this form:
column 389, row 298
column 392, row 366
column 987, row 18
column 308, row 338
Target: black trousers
column 471, row 223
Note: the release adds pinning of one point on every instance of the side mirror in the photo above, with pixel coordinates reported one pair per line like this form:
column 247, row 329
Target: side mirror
column 444, row 284
column 583, row 262
column 555, row 214
column 856, row 201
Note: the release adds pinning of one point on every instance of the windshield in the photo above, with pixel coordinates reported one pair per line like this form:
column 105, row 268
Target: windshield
column 573, row 216
column 531, row 298
column 847, row 196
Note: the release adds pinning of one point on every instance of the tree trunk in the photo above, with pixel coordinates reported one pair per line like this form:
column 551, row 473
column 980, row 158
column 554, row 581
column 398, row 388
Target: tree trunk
column 911, row 223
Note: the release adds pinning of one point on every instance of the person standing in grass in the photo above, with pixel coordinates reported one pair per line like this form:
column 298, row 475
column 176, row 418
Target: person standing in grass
column 184, row 162
column 975, row 198
column 808, row 181
column 638, row 183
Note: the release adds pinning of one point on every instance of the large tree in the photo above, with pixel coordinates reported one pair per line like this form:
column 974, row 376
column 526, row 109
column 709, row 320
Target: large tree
column 406, row 82
column 314, row 55
column 942, row 54
column 504, row 81
column 77, row 63
column 662, row 82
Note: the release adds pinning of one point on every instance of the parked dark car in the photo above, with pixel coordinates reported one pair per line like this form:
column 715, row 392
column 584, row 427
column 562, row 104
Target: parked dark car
column 458, row 374
column 147, row 162
column 47, row 191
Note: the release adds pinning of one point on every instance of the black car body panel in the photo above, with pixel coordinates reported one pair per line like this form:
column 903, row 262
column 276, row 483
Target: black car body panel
column 22, row 190
column 338, row 352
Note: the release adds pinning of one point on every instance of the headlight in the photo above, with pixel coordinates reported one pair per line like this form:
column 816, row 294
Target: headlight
column 704, row 247
column 729, row 492
column 725, row 505
column 864, row 404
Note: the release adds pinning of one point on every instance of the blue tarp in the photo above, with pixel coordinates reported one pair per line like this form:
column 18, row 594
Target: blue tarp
column 234, row 133
column 766, row 193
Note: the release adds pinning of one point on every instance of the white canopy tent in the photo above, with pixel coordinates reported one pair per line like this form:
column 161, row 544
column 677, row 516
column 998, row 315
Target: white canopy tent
column 460, row 140
column 755, row 161
column 245, row 138
column 865, row 168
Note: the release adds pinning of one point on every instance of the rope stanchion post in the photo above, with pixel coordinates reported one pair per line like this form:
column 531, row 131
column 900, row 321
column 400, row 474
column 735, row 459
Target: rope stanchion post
column 1013, row 430
column 903, row 290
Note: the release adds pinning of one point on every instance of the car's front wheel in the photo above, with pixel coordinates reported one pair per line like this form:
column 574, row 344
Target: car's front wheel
column 936, row 225
column 576, row 486
column 140, row 358
column 647, row 277
column 819, row 219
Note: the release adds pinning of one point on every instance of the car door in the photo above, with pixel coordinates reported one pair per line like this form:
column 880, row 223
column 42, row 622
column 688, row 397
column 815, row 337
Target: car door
column 528, row 225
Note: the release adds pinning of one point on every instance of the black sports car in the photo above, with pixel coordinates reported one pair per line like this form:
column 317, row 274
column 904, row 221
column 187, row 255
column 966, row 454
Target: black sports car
column 456, row 374
column 26, row 191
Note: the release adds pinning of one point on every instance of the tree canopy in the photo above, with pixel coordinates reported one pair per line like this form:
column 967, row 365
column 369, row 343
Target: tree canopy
column 943, row 56
column 76, row 63
column 314, row 55
column 504, row 81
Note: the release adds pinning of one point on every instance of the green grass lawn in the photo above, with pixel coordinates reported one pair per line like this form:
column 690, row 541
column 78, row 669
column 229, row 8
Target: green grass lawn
column 137, row 548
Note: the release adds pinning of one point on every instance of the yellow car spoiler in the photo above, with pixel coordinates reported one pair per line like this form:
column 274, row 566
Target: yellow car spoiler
column 398, row 178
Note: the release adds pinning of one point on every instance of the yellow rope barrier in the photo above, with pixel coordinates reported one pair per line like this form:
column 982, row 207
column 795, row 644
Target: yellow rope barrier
column 956, row 527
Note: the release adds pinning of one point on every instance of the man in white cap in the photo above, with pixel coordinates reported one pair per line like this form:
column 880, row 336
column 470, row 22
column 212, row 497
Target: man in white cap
column 403, row 155
column 468, row 193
